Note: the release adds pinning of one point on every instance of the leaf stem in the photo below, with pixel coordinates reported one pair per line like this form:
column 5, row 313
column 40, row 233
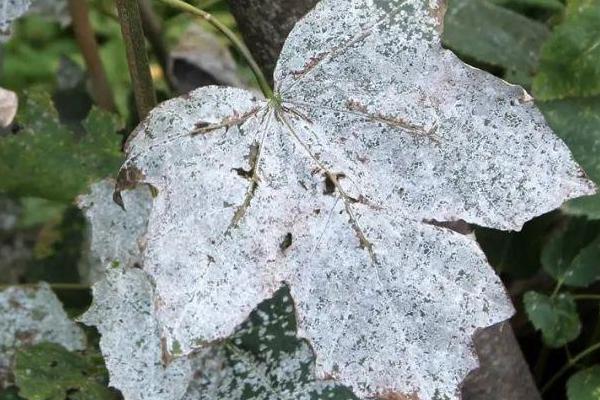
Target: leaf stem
column 86, row 40
column 154, row 33
column 137, row 58
column 587, row 297
column 569, row 365
column 237, row 43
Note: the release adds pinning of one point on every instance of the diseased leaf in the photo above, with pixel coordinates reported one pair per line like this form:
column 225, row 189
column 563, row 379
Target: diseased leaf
column 130, row 343
column 484, row 31
column 10, row 10
column 115, row 234
column 556, row 317
column 48, row 371
column 261, row 361
column 585, row 385
column 570, row 59
column 9, row 103
column 34, row 162
column 334, row 187
column 577, row 122
column 32, row 316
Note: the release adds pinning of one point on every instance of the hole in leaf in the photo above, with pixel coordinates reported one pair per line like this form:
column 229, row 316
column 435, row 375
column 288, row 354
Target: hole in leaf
column 287, row 242
column 330, row 184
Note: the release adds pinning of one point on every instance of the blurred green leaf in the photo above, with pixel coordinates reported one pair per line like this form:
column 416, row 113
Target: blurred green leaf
column 585, row 385
column 577, row 122
column 585, row 268
column 32, row 55
column 264, row 359
column 561, row 254
column 494, row 35
column 551, row 5
column 570, row 59
column 556, row 317
column 50, row 372
column 48, row 160
column 10, row 393
column 516, row 253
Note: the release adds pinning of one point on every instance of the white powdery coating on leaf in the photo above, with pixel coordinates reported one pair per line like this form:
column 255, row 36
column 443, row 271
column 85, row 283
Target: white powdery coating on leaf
column 122, row 311
column 380, row 130
column 115, row 234
column 10, row 10
column 29, row 316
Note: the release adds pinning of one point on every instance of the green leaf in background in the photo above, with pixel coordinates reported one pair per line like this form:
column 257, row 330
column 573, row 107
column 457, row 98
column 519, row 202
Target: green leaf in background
column 585, row 268
column 577, row 122
column 494, row 35
column 516, row 254
column 550, row 5
column 570, row 59
column 48, row 160
column 50, row 372
column 10, row 393
column 569, row 256
column 264, row 360
column 585, row 385
column 556, row 317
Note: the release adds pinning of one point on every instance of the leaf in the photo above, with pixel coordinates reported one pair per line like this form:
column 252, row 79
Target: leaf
column 200, row 59
column 570, row 59
column 484, row 31
column 264, row 359
column 556, row 317
column 584, row 385
column 335, row 187
column 9, row 102
column 577, row 122
column 10, row 10
column 561, row 255
column 516, row 253
column 48, row 160
column 571, row 257
column 48, row 371
column 130, row 343
column 550, row 5
column 586, row 266
column 115, row 234
column 32, row 316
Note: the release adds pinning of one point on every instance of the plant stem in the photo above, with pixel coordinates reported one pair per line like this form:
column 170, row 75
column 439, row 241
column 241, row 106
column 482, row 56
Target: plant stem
column 237, row 43
column 154, row 33
column 570, row 364
column 86, row 40
column 137, row 58
column 55, row 286
column 587, row 297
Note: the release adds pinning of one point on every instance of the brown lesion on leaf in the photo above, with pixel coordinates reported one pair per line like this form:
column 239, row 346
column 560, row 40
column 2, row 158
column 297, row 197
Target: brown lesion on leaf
column 393, row 121
column 332, row 184
column 237, row 119
column 315, row 61
column 365, row 243
column 252, row 176
column 129, row 177
column 287, row 242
